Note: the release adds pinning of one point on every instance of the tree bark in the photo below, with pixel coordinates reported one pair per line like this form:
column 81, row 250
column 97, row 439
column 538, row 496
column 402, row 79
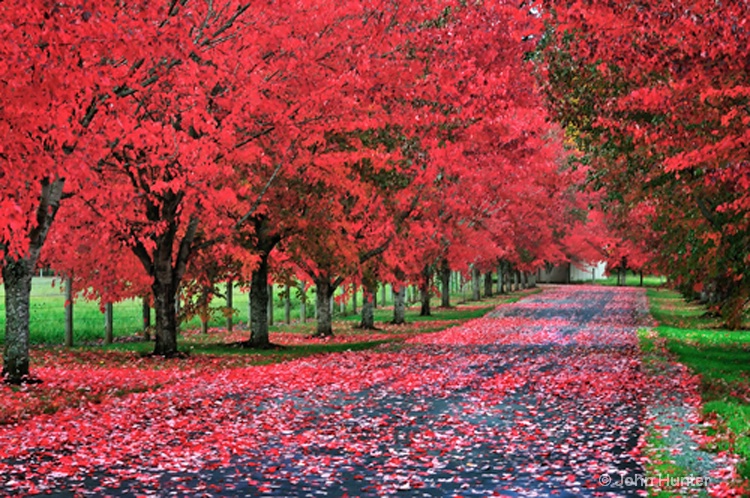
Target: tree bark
column 383, row 294
column 368, row 315
column 500, row 289
column 733, row 308
column 17, row 281
column 167, row 270
column 302, row 303
column 488, row 284
column 270, row 305
column 230, row 306
column 17, row 272
column 623, row 274
column 354, row 299
column 463, row 287
column 424, row 291
column 424, row 310
column 146, row 312
column 399, row 306
column 324, row 292
column 165, row 296
column 249, row 311
column 475, row 283
column 204, row 307
column 108, row 318
column 287, row 304
column 259, row 304
column 445, row 284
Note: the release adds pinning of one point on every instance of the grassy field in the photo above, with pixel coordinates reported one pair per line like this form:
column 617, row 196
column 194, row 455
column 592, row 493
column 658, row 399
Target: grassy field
column 720, row 357
column 48, row 313
column 631, row 279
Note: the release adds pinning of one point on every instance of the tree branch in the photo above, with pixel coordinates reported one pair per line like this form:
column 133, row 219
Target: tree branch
column 186, row 248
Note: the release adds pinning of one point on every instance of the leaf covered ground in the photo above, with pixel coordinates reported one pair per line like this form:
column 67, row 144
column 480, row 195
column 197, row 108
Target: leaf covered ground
column 547, row 396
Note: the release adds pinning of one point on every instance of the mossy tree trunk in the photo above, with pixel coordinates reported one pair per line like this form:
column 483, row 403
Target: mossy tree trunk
column 445, row 284
column 399, row 305
column 324, row 290
column 17, row 271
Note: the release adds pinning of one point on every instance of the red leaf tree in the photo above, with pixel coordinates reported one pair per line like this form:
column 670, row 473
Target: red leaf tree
column 45, row 54
column 656, row 94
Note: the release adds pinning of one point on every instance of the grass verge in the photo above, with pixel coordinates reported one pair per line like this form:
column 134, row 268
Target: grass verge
column 721, row 358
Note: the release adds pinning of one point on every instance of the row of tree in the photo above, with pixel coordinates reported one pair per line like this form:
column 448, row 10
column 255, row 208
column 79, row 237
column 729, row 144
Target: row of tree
column 154, row 149
column 655, row 96
column 159, row 148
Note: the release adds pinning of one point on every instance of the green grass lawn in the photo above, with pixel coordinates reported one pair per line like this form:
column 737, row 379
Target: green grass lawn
column 48, row 313
column 631, row 280
column 720, row 357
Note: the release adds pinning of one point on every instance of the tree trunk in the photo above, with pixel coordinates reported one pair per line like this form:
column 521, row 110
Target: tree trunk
column 383, row 295
column 204, row 308
column 475, row 283
column 165, row 297
column 424, row 291
column 302, row 303
column 733, row 308
column 445, row 284
column 259, row 305
column 230, row 306
column 623, row 276
column 287, row 304
column 249, row 310
column 108, row 332
column 17, row 275
column 399, row 306
column 69, row 312
column 488, row 284
column 146, row 312
column 177, row 305
column 270, row 305
column 354, row 299
column 500, row 289
column 425, row 300
column 17, row 281
column 324, row 292
column 368, row 315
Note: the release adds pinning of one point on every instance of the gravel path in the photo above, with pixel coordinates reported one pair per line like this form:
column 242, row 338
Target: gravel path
column 546, row 397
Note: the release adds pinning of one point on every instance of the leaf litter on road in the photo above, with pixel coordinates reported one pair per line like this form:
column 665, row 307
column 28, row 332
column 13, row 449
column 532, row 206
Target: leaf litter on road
column 542, row 397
